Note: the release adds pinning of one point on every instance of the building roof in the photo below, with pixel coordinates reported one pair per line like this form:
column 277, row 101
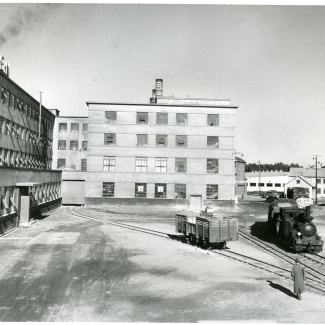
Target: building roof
column 266, row 174
column 304, row 179
column 307, row 172
column 240, row 160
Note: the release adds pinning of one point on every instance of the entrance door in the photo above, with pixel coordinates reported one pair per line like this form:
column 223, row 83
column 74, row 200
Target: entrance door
column 195, row 202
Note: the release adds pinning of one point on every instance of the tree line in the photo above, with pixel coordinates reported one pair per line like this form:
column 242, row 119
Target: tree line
column 270, row 167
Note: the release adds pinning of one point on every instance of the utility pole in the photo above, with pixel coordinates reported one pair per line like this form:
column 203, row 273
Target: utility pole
column 259, row 177
column 315, row 157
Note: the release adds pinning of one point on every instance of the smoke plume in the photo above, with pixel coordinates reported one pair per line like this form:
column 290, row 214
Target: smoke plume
column 26, row 17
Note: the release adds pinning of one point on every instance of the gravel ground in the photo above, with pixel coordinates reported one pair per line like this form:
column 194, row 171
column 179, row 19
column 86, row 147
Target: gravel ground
column 66, row 269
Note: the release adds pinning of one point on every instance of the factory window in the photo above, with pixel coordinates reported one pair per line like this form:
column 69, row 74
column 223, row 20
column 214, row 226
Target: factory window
column 181, row 119
column 261, row 184
column 160, row 190
column 162, row 118
column 109, row 164
column 84, row 127
column 213, row 142
column 142, row 118
column 110, row 117
column 324, row 191
column 140, row 190
column 12, row 100
column 180, row 165
column 142, row 140
column 180, row 191
column 62, row 127
column 74, row 145
column 109, row 139
column 252, row 184
column 74, row 127
column 161, row 140
column 277, row 185
column 269, row 184
column 83, row 165
column 212, row 165
column 318, row 191
column 318, row 180
column 213, row 120
column 323, row 178
column 298, row 181
column 108, row 189
column 141, row 164
column 161, row 165
column 181, row 141
column 62, row 145
column 212, row 191
column 84, row 145
column 61, row 163
column 2, row 157
column 8, row 99
column 3, row 95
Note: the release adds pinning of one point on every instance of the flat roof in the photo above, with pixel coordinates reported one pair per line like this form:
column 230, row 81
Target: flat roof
column 160, row 104
column 29, row 184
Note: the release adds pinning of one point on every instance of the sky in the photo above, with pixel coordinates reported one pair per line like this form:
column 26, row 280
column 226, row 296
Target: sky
column 269, row 60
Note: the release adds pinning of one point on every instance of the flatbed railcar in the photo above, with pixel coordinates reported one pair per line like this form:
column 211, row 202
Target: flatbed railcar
column 206, row 230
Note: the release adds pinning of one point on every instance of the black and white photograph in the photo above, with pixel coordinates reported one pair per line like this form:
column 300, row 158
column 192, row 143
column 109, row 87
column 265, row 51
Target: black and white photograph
column 162, row 162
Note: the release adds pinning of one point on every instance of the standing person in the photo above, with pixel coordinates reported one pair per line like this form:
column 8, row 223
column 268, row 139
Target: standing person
column 299, row 277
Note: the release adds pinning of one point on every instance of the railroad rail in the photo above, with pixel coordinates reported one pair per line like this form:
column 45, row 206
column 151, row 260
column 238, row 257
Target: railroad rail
column 316, row 283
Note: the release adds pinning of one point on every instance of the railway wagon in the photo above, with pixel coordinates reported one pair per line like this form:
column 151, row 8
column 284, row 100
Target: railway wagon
column 207, row 231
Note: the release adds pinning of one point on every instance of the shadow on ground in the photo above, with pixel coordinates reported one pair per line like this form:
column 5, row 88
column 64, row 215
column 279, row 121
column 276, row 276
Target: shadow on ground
column 285, row 290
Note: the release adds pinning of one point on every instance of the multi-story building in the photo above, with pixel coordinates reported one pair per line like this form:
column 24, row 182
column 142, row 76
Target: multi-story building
column 70, row 148
column 26, row 136
column 171, row 150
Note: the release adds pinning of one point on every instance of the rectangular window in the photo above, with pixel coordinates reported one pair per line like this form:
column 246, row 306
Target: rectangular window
column 180, row 191
column 277, row 185
column 261, row 184
column 162, row 119
column 212, row 191
column 74, row 127
column 181, row 119
column 142, row 118
column 84, row 145
column 181, row 141
column 62, row 145
column 142, row 140
column 84, row 127
column 110, row 117
column 160, row 190
column 269, row 184
column 109, row 164
column 298, row 181
column 213, row 142
column 161, row 140
column 213, row 120
column 318, row 191
column 108, row 189
column 212, row 165
column 252, row 184
column 61, row 163
column 62, row 127
column 161, row 165
column 74, row 145
column 180, row 165
column 318, row 180
column 141, row 164
column 140, row 190
column 109, row 139
column 83, row 165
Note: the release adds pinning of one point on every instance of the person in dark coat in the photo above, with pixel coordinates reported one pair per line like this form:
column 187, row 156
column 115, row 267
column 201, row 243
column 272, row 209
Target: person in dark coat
column 299, row 277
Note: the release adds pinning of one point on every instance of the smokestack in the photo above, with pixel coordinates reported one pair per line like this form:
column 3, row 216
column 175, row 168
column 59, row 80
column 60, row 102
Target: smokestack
column 159, row 87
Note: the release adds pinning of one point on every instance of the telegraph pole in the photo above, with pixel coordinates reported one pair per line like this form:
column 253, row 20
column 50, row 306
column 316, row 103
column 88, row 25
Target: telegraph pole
column 315, row 157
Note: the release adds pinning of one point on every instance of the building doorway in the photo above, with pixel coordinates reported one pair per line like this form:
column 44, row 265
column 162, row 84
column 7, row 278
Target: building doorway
column 195, row 202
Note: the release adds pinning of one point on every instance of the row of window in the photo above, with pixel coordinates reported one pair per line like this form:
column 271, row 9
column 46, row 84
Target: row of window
column 62, row 163
column 12, row 158
column 17, row 131
column 141, row 164
column 140, row 190
column 161, row 118
column 74, row 127
column 320, row 192
column 62, row 145
column 161, row 140
column 266, row 184
column 11, row 100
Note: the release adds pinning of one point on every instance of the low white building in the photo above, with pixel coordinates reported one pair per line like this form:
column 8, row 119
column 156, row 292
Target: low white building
column 266, row 181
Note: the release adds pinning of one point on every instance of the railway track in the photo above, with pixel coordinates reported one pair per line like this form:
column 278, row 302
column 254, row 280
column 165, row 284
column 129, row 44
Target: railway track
column 316, row 283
